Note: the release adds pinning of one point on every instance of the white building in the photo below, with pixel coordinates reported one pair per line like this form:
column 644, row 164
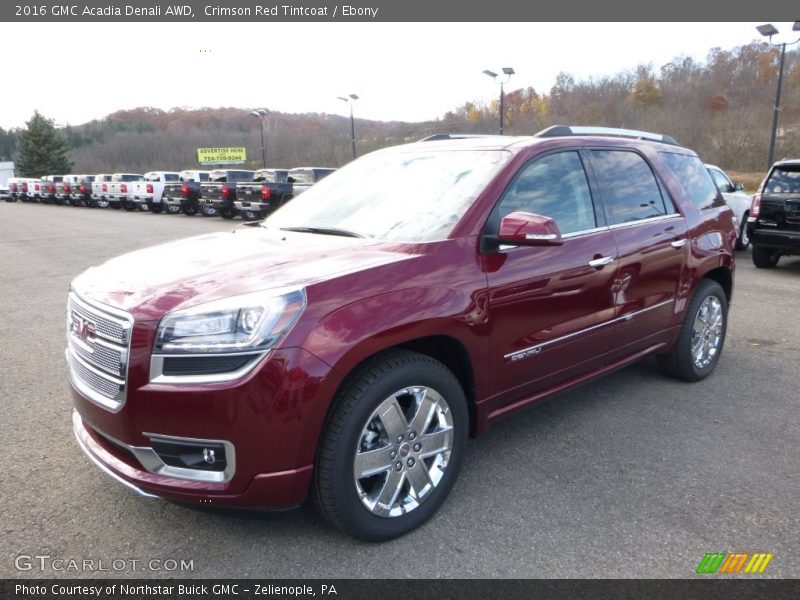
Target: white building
column 6, row 171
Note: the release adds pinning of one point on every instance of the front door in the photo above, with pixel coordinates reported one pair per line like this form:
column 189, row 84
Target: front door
column 551, row 307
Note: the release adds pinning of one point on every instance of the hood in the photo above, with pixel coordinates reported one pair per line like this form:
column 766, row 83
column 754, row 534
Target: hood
column 151, row 282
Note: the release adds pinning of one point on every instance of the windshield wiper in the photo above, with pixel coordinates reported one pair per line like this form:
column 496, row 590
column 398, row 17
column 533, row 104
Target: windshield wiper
column 324, row 231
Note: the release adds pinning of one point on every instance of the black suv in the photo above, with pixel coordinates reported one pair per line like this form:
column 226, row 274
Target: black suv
column 774, row 222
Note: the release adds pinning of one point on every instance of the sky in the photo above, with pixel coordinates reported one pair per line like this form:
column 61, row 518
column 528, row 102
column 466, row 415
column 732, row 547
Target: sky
column 400, row 71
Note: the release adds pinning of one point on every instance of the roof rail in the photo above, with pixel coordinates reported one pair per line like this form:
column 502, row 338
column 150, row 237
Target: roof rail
column 566, row 130
column 454, row 136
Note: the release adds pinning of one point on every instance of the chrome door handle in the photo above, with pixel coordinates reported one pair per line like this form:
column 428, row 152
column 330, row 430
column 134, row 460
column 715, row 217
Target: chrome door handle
column 679, row 243
column 601, row 262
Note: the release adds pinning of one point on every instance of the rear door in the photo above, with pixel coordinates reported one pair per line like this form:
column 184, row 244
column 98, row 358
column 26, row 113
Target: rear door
column 652, row 243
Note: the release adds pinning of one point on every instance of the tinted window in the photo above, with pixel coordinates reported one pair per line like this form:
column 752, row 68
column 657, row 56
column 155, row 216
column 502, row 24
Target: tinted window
column 694, row 179
column 171, row 177
column 722, row 182
column 629, row 189
column 240, row 175
column 132, row 178
column 783, row 180
column 554, row 186
column 204, row 176
column 302, row 176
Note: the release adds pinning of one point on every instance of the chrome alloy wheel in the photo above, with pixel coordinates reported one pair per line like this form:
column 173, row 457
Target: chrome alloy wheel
column 707, row 332
column 403, row 451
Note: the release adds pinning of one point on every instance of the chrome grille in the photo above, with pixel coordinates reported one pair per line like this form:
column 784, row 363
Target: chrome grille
column 98, row 343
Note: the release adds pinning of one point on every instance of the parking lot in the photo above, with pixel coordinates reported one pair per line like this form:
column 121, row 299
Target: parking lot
column 634, row 475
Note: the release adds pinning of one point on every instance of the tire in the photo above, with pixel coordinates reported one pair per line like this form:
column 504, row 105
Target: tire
column 189, row 209
column 696, row 353
column 102, row 203
column 157, row 209
column 227, row 213
column 743, row 240
column 396, row 380
column 249, row 215
column 765, row 258
column 208, row 211
column 173, row 209
column 128, row 206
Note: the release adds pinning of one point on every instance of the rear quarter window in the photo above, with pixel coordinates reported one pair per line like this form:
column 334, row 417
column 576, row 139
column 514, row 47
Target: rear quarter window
column 695, row 180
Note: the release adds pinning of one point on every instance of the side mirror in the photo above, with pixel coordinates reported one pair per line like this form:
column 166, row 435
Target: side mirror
column 738, row 187
column 528, row 229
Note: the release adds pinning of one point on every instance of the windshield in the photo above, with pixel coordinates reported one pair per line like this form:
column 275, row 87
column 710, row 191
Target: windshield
column 413, row 194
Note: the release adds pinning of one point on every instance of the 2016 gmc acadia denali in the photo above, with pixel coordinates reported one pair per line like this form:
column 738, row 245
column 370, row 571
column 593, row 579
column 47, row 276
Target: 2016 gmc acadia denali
column 347, row 346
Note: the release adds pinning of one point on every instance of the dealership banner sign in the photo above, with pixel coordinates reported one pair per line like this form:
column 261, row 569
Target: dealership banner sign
column 221, row 156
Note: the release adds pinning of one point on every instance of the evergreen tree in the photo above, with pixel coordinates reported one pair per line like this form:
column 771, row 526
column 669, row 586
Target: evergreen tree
column 7, row 141
column 41, row 149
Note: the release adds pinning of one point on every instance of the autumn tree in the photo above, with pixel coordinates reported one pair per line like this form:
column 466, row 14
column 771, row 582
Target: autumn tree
column 41, row 149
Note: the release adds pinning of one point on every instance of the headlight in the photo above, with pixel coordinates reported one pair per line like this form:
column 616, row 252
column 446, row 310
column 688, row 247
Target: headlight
column 248, row 323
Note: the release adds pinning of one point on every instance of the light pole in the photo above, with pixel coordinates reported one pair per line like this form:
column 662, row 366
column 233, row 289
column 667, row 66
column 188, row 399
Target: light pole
column 350, row 99
column 768, row 31
column 506, row 71
column 260, row 114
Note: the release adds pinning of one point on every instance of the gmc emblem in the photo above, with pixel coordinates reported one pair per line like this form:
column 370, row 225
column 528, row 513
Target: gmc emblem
column 82, row 328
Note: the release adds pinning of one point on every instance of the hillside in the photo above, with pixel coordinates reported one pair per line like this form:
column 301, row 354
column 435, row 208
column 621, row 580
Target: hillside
column 722, row 108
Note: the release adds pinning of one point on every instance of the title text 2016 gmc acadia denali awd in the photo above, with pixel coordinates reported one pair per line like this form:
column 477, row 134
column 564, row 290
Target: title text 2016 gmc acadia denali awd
column 347, row 346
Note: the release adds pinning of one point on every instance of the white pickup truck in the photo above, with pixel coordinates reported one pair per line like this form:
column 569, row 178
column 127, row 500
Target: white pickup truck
column 100, row 189
column 149, row 193
column 119, row 189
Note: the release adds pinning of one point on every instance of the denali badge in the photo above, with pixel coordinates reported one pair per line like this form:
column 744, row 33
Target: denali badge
column 81, row 327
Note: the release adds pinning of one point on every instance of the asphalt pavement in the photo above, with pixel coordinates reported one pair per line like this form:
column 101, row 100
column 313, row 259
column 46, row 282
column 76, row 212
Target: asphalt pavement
column 634, row 475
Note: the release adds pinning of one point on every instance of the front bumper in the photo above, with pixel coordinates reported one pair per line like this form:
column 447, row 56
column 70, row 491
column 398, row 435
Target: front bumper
column 267, row 490
column 270, row 420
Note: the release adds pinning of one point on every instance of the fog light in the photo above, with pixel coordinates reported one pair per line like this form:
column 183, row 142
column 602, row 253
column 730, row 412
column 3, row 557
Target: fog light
column 201, row 455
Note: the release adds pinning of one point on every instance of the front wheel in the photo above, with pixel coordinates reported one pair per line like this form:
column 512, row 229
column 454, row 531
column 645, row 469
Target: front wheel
column 156, row 208
column 765, row 258
column 173, row 209
column 701, row 337
column 393, row 446
column 249, row 215
column 227, row 213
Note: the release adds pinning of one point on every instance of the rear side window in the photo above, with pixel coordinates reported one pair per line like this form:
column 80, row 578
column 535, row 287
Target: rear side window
column 553, row 186
column 628, row 187
column 694, row 179
column 783, row 180
column 240, row 176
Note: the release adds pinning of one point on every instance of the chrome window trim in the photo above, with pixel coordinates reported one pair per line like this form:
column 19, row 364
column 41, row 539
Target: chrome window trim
column 157, row 368
column 645, row 221
column 513, row 357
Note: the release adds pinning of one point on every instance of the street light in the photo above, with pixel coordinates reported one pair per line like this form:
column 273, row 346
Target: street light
column 260, row 114
column 506, row 71
column 768, row 30
column 350, row 98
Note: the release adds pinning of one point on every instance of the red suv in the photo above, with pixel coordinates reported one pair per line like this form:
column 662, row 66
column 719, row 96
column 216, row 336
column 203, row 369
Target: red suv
column 349, row 344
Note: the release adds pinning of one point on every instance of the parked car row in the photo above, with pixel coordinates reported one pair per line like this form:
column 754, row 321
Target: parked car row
column 223, row 192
